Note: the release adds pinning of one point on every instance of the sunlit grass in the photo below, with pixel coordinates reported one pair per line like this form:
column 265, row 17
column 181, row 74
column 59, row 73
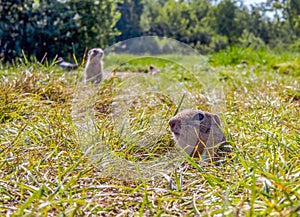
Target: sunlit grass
column 45, row 171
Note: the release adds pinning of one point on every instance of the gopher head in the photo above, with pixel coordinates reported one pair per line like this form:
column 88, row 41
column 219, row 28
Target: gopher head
column 197, row 132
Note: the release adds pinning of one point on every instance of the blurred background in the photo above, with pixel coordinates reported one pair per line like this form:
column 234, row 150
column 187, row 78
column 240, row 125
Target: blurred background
column 44, row 29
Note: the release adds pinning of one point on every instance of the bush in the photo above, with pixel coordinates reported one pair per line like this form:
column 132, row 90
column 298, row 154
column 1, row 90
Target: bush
column 248, row 39
column 47, row 27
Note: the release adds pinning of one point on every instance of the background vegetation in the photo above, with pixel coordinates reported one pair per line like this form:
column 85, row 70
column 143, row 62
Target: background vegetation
column 67, row 27
column 48, row 28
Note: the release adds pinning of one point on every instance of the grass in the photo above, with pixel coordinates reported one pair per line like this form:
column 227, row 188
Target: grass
column 126, row 162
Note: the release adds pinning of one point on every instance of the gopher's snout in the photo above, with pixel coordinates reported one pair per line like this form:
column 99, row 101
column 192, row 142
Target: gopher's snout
column 175, row 126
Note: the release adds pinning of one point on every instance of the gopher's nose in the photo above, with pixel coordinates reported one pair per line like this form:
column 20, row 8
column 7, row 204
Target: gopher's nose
column 175, row 125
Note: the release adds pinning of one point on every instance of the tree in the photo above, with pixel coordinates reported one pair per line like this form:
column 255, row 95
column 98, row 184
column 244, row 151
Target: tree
column 224, row 20
column 129, row 23
column 185, row 21
column 290, row 10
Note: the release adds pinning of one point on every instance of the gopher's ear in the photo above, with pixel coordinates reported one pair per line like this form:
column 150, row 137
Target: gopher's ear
column 90, row 52
column 216, row 120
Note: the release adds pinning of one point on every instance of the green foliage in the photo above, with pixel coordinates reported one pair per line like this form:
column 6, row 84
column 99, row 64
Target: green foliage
column 210, row 27
column 295, row 46
column 290, row 11
column 181, row 20
column 248, row 39
column 55, row 27
column 224, row 20
column 268, row 58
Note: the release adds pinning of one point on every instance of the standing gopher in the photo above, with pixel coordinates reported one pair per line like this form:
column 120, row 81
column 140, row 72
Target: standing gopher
column 198, row 133
column 94, row 66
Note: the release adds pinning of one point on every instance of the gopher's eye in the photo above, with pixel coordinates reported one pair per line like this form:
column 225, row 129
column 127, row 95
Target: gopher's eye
column 199, row 116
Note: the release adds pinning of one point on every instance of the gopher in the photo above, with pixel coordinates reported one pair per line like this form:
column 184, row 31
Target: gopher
column 199, row 134
column 94, row 66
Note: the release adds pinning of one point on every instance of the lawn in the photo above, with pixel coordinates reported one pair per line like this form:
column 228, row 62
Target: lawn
column 68, row 149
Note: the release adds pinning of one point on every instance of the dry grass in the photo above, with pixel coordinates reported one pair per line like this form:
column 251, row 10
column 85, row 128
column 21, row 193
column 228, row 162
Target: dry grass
column 46, row 170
